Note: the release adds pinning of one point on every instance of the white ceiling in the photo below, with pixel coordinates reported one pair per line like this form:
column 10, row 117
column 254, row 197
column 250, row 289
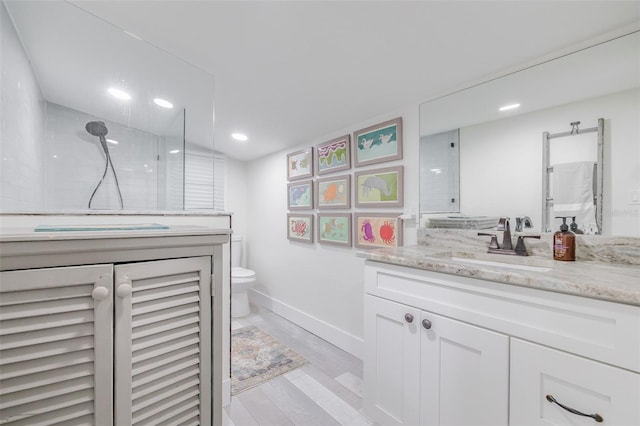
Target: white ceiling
column 287, row 73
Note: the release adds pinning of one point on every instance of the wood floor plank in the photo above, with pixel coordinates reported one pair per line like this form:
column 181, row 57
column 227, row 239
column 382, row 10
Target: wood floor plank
column 329, row 358
column 238, row 414
column 298, row 407
column 338, row 389
column 262, row 409
column 329, row 401
column 351, row 382
column 326, row 392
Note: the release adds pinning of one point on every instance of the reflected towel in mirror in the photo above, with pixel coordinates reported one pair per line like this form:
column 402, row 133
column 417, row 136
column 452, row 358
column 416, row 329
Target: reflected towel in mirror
column 573, row 194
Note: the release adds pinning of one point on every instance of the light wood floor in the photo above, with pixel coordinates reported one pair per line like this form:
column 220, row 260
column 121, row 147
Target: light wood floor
column 328, row 391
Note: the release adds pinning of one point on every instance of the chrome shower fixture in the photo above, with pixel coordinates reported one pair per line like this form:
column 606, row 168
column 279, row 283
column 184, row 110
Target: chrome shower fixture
column 99, row 129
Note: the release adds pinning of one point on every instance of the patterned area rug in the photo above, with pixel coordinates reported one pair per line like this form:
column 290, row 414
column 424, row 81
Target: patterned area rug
column 257, row 357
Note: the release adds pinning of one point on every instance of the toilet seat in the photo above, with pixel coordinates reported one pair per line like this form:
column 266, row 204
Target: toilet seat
column 238, row 272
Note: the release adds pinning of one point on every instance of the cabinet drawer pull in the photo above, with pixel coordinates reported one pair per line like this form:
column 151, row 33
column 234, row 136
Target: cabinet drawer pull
column 408, row 318
column 597, row 417
column 426, row 324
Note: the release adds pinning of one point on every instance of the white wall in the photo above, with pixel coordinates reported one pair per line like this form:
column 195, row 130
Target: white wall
column 236, row 196
column 318, row 286
column 494, row 187
column 21, row 125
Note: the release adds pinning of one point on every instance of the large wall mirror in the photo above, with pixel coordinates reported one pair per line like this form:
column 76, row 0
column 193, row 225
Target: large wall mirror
column 500, row 153
column 65, row 71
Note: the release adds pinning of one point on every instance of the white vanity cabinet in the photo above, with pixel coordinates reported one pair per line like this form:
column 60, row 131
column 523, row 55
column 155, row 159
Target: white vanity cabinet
column 127, row 340
column 490, row 353
column 591, row 387
column 432, row 370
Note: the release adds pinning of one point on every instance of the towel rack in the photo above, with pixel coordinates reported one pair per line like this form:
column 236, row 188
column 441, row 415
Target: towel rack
column 547, row 199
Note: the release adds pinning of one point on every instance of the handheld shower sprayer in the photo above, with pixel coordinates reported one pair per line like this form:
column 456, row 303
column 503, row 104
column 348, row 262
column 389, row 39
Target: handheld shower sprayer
column 99, row 129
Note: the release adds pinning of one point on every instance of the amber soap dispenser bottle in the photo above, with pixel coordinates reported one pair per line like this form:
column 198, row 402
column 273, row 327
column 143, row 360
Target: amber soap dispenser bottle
column 564, row 242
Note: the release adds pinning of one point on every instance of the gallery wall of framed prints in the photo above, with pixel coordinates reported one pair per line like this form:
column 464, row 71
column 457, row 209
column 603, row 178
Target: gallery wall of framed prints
column 321, row 178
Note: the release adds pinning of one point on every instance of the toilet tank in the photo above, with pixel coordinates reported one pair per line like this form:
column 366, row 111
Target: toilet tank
column 236, row 249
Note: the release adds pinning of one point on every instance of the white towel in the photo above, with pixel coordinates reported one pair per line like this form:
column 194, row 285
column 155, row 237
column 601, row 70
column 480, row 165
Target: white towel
column 573, row 194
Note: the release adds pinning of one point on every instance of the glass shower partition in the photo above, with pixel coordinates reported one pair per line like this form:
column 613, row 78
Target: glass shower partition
column 60, row 66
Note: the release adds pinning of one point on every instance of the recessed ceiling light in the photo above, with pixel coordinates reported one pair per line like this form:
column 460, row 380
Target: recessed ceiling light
column 120, row 94
column 162, row 103
column 174, row 151
column 509, row 107
column 113, row 141
column 239, row 137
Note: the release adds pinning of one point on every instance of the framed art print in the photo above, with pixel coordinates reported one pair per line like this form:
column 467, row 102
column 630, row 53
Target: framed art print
column 300, row 195
column 333, row 156
column 300, row 227
column 300, row 164
column 377, row 230
column 379, row 143
column 334, row 228
column 379, row 187
column 333, row 193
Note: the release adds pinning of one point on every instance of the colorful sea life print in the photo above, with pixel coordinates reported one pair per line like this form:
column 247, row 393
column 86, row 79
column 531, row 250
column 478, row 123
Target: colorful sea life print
column 379, row 143
column 300, row 228
column 300, row 195
column 334, row 155
column 300, row 164
column 335, row 229
column 379, row 188
column 387, row 232
column 367, row 231
column 377, row 230
column 334, row 193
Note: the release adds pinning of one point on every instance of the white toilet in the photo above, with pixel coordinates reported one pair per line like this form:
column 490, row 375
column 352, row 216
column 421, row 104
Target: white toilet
column 241, row 280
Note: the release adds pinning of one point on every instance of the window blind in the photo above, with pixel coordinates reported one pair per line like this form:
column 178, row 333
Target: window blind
column 204, row 186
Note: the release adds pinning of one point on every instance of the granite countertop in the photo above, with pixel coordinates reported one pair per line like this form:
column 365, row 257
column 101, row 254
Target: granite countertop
column 606, row 281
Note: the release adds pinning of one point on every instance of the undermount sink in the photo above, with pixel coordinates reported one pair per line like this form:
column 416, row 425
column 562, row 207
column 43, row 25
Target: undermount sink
column 502, row 264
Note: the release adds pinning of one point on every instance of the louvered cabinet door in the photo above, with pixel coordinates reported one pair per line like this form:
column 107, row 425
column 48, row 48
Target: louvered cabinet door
column 56, row 346
column 163, row 342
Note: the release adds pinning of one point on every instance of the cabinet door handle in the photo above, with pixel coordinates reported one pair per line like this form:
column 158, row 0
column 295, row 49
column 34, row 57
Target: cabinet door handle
column 123, row 290
column 597, row 417
column 426, row 324
column 408, row 318
column 100, row 293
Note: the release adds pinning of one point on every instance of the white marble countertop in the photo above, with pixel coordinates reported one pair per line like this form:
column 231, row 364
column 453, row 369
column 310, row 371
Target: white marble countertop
column 607, row 281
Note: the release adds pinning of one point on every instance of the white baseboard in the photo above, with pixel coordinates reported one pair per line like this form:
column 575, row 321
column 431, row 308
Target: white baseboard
column 340, row 338
column 226, row 392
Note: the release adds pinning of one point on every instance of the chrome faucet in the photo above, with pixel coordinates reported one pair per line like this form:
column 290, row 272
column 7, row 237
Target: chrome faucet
column 503, row 225
column 507, row 245
column 523, row 222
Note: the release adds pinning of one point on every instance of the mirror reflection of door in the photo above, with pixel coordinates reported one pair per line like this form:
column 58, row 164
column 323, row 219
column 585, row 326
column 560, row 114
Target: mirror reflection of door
column 439, row 172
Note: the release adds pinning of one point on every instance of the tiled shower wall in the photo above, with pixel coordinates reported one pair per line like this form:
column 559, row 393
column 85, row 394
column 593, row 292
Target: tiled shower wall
column 21, row 126
column 75, row 164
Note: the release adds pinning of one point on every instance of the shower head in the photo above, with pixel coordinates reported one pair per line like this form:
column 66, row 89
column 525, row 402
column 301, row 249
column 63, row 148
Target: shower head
column 96, row 128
